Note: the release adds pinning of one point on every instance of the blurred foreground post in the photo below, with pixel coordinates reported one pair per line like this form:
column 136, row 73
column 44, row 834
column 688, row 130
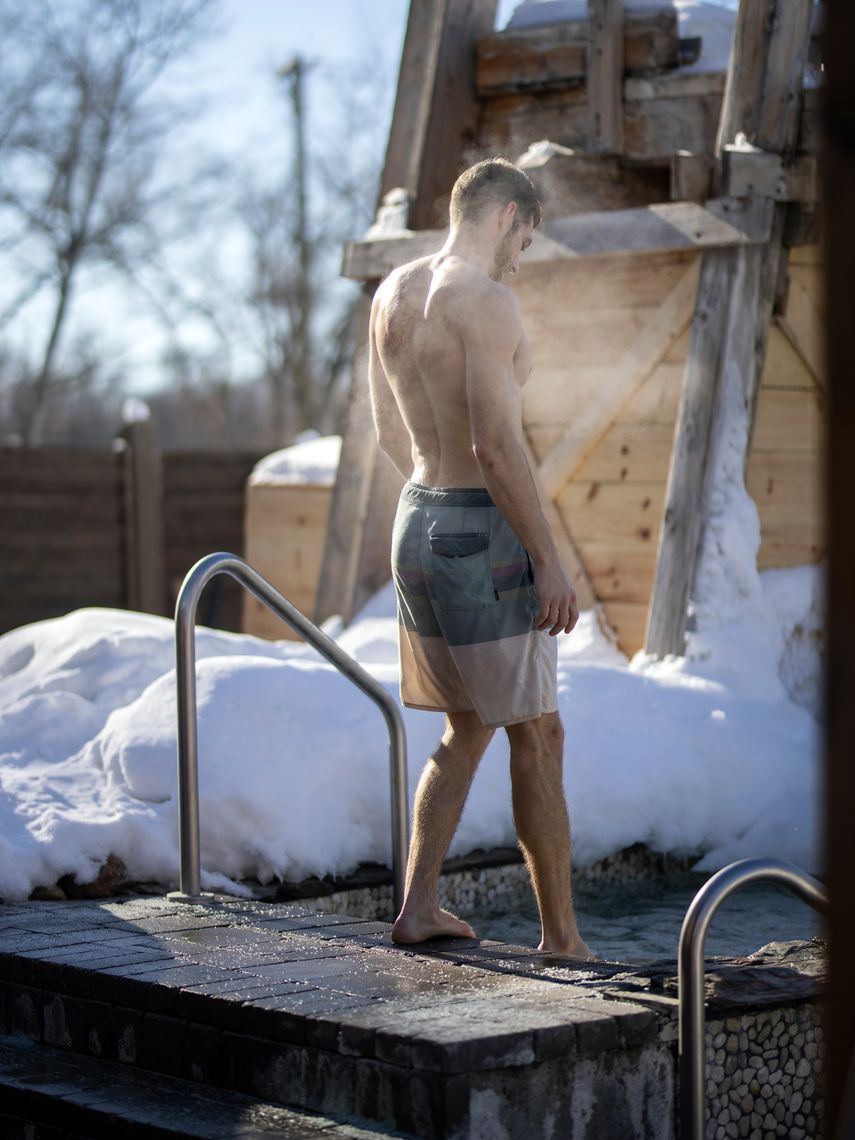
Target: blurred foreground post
column 839, row 237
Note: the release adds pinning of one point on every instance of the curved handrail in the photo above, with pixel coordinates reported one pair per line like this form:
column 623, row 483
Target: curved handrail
column 188, row 770
column 690, row 968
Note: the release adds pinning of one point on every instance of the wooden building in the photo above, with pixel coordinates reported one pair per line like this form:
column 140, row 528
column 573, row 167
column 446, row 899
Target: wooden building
column 679, row 245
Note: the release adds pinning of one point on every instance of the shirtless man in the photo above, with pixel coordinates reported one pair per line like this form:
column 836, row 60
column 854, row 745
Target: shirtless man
column 481, row 591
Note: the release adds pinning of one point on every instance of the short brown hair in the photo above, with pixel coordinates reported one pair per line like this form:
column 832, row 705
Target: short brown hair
column 493, row 182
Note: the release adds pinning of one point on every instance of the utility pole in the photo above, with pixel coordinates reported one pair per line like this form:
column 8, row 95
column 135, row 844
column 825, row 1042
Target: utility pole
column 302, row 376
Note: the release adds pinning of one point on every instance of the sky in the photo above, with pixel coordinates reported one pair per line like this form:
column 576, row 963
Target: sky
column 232, row 77
column 232, row 74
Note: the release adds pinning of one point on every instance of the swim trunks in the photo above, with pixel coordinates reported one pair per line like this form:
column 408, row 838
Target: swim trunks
column 466, row 610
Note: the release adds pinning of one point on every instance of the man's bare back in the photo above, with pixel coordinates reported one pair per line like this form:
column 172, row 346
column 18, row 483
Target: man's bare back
column 448, row 358
column 423, row 313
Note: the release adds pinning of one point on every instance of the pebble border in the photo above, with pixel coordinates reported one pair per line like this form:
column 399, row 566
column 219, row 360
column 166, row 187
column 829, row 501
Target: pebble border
column 468, row 890
column 764, row 1075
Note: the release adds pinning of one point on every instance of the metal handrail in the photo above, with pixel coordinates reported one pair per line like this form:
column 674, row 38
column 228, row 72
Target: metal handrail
column 690, row 968
column 188, row 769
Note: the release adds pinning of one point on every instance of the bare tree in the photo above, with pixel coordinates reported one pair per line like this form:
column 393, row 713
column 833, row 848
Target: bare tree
column 300, row 310
column 90, row 410
column 80, row 136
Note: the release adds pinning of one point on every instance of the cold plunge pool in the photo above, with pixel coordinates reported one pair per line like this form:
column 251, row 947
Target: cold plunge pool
column 639, row 921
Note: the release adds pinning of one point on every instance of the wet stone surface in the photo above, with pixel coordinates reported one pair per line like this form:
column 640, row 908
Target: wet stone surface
column 259, row 998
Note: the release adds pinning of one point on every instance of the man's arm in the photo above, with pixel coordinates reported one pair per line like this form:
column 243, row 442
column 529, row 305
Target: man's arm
column 491, row 332
column 392, row 434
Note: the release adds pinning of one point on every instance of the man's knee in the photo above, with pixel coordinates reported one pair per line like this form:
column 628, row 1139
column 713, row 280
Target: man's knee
column 465, row 734
column 541, row 739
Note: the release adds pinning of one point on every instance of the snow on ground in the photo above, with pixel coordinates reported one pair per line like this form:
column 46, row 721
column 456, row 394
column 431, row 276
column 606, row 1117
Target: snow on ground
column 707, row 752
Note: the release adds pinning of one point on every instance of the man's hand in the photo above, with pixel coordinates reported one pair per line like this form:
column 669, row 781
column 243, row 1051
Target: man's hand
column 558, row 608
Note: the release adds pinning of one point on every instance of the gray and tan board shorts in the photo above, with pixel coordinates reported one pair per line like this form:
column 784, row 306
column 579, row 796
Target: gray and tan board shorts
column 466, row 610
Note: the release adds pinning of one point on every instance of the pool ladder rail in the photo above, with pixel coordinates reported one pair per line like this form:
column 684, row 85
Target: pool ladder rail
column 690, row 969
column 188, row 749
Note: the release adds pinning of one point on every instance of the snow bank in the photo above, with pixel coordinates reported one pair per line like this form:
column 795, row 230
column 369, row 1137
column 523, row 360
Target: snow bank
column 311, row 460
column 704, row 753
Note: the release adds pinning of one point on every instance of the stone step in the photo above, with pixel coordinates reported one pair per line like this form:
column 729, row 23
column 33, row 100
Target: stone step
column 324, row 1013
column 50, row 1093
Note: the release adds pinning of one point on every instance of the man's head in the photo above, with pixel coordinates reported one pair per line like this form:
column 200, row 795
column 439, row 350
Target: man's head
column 494, row 192
column 489, row 184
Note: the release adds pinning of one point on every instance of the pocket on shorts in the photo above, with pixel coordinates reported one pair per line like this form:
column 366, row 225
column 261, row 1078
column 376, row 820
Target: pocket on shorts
column 460, row 565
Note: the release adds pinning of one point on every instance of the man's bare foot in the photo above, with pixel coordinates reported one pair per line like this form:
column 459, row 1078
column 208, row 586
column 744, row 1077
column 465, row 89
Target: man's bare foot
column 573, row 948
column 420, row 927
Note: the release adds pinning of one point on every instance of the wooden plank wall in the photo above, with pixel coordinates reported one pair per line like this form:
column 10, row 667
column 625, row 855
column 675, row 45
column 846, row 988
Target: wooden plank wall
column 662, row 114
column 784, row 475
column 203, row 495
column 581, row 320
column 62, row 526
column 62, row 518
column 285, row 531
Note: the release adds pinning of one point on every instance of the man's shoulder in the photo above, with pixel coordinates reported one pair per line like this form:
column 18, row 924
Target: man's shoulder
column 399, row 278
column 489, row 301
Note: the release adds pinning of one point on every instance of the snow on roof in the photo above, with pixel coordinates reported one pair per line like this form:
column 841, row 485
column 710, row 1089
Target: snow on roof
column 313, row 459
column 712, row 22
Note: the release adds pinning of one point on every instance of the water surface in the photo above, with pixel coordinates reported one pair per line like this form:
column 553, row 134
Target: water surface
column 639, row 921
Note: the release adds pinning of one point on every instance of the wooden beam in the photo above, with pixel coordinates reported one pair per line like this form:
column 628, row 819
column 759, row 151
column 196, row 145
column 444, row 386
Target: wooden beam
column 802, row 326
column 690, row 176
column 762, row 96
column 573, row 182
column 605, row 76
column 655, row 229
column 337, row 582
column 435, row 106
column 757, row 172
column 144, row 534
column 416, row 82
column 676, row 110
column 554, row 55
column 734, row 307
column 372, row 258
column 356, row 551
column 648, row 229
column 567, row 551
column 730, row 290
column 619, row 384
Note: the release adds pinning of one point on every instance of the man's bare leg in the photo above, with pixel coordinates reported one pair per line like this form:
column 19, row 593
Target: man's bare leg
column 543, row 828
column 439, row 801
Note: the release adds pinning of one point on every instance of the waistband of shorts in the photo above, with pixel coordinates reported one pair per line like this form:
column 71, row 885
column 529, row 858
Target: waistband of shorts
column 447, row 496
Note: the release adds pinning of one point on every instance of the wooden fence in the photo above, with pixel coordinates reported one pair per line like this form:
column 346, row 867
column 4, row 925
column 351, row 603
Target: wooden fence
column 116, row 527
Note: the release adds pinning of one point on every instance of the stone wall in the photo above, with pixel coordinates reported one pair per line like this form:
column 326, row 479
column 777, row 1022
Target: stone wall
column 472, row 884
column 763, row 1074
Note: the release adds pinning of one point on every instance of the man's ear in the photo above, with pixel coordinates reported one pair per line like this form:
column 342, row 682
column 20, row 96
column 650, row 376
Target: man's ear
column 507, row 215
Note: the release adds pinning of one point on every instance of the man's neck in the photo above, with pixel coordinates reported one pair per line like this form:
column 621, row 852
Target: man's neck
column 475, row 245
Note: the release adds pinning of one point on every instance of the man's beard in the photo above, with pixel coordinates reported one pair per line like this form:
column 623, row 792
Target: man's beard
column 501, row 258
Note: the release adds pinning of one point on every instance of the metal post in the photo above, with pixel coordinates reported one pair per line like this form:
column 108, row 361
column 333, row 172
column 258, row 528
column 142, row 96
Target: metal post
column 188, row 775
column 690, row 969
